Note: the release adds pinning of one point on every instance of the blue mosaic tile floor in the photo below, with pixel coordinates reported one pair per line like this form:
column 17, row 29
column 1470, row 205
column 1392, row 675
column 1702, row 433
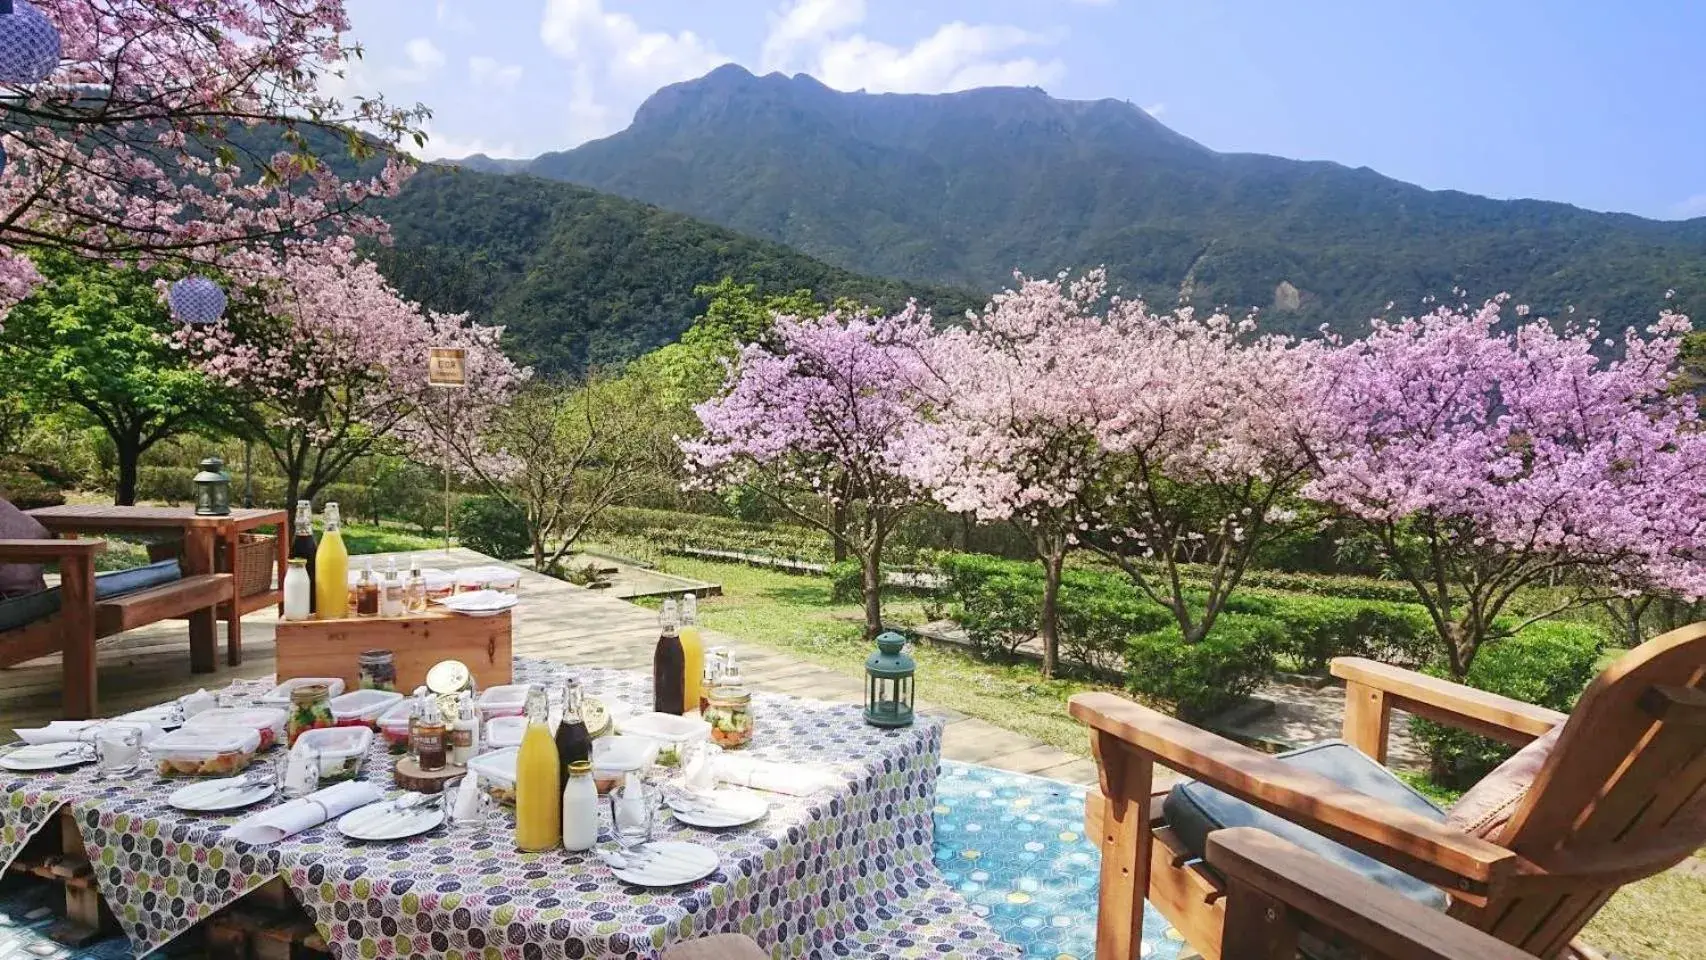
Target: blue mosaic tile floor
column 1014, row 847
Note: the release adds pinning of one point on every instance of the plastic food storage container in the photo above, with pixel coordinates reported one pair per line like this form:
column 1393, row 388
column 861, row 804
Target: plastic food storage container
column 280, row 694
column 394, row 727
column 497, row 773
column 503, row 732
column 615, row 757
column 439, row 583
column 208, row 752
column 504, row 700
column 267, row 721
column 362, row 708
column 470, row 580
column 341, row 750
column 671, row 732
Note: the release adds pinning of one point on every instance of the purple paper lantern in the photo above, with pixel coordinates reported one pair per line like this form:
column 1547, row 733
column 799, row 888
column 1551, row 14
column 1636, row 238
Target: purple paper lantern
column 196, row 300
column 29, row 44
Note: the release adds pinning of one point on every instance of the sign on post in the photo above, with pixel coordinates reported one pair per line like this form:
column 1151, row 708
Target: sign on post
column 447, row 367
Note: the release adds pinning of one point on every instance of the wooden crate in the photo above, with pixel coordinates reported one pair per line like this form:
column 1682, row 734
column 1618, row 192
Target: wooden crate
column 330, row 648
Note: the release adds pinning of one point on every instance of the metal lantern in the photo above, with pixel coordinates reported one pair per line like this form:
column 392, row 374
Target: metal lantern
column 196, row 300
column 888, row 683
column 29, row 44
column 212, row 489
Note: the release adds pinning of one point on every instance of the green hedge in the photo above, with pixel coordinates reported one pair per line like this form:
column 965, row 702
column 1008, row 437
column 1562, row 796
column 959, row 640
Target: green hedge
column 492, row 526
column 1200, row 679
column 1548, row 663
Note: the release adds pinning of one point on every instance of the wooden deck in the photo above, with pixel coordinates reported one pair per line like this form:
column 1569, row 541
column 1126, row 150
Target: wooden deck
column 556, row 621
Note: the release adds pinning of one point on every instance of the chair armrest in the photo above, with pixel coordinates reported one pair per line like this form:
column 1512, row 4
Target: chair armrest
column 37, row 551
column 1453, row 704
column 1313, row 892
column 1416, row 845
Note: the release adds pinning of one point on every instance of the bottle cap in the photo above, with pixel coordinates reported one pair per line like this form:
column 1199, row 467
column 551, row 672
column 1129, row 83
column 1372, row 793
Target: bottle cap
column 580, row 768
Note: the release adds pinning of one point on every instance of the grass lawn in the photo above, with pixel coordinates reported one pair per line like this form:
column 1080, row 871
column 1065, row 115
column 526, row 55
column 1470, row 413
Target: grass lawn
column 1661, row 918
column 793, row 613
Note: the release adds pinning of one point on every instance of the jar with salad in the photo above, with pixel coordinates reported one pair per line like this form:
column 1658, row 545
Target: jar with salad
column 310, row 709
column 728, row 708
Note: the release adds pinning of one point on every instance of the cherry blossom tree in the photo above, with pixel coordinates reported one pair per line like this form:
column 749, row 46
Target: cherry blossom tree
column 1486, row 461
column 197, row 130
column 334, row 364
column 1013, row 433
column 819, row 416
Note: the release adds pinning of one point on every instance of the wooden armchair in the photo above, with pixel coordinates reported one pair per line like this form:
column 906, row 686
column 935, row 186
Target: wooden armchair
column 85, row 612
column 1619, row 798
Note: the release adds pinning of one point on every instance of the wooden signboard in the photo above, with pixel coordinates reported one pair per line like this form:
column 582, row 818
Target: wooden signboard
column 447, row 367
column 330, row 648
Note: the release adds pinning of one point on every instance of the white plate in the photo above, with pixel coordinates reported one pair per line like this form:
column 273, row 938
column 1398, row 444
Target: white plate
column 719, row 809
column 380, row 821
column 209, row 797
column 166, row 716
column 672, row 864
column 48, row 756
column 483, row 603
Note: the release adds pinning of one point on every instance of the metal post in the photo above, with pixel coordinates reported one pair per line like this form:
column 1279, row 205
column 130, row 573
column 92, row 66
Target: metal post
column 447, row 490
column 248, row 475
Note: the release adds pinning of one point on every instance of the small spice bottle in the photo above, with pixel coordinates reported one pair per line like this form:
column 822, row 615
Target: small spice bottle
column 367, row 593
column 464, row 734
column 427, row 739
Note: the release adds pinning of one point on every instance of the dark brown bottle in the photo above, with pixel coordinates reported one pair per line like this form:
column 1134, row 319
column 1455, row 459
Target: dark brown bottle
column 669, row 663
column 302, row 543
column 574, row 743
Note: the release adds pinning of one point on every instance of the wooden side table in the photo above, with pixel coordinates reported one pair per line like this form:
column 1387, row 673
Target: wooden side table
column 331, row 648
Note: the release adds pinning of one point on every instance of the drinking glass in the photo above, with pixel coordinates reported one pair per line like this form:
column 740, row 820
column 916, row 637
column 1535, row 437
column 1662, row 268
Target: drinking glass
column 477, row 823
column 632, row 813
column 301, row 772
column 118, row 751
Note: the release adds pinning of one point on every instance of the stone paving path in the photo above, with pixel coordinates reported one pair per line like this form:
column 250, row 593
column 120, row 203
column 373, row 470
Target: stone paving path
column 556, row 621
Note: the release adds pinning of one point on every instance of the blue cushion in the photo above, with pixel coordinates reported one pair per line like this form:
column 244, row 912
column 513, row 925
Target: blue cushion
column 1194, row 810
column 31, row 607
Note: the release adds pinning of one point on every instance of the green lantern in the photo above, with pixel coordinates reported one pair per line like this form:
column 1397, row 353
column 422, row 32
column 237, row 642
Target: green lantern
column 212, row 489
column 888, row 683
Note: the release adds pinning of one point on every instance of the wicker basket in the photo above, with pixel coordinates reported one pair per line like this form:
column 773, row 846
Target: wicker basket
column 256, row 553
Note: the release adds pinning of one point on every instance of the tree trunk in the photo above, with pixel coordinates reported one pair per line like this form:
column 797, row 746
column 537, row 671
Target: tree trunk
column 838, row 519
column 1053, row 559
column 873, row 586
column 129, row 452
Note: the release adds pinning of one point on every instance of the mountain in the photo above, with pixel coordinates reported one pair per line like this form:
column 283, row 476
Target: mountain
column 961, row 189
column 581, row 278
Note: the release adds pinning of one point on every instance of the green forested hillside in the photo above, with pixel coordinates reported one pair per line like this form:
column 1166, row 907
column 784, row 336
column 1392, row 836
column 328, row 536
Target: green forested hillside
column 582, row 278
column 964, row 188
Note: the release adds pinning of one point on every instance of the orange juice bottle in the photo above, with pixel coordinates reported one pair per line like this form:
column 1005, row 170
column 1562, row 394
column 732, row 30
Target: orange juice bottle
column 692, row 654
column 538, row 800
column 331, row 570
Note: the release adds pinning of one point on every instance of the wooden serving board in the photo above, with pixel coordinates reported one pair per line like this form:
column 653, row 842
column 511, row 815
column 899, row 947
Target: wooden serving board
column 408, row 775
column 330, row 648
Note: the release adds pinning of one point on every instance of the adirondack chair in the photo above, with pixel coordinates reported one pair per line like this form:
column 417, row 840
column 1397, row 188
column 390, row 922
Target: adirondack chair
column 1619, row 798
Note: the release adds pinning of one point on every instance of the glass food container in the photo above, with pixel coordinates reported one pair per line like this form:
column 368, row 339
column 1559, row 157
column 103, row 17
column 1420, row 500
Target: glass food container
column 310, row 709
column 269, row 722
column 210, row 752
column 377, row 670
column 361, row 708
column 341, row 750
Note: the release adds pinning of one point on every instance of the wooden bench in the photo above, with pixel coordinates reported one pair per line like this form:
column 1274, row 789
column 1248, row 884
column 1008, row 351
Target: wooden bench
column 82, row 619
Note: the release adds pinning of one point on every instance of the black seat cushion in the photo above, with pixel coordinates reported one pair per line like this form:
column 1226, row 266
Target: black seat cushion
column 1194, row 810
column 18, row 611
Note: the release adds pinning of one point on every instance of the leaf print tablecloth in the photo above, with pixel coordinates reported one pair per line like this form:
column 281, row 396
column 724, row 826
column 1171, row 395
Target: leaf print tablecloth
column 818, row 873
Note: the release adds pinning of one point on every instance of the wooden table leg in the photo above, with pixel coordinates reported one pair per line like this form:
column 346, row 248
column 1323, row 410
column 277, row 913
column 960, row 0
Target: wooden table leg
column 1126, row 778
column 233, row 612
column 77, row 626
column 284, row 536
column 198, row 559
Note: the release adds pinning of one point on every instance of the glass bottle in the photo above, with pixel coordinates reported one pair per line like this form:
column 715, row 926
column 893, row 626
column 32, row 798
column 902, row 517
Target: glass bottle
column 331, row 570
column 367, row 592
column 580, row 808
column 574, row 742
column 298, row 591
column 713, row 671
column 729, row 711
column 310, row 709
column 414, row 589
column 538, row 792
column 428, row 742
column 302, row 545
column 464, row 735
column 391, row 591
column 692, row 654
column 668, row 665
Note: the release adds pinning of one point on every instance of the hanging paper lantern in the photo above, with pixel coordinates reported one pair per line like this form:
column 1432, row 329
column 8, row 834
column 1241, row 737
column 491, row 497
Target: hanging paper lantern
column 29, row 44
column 196, row 300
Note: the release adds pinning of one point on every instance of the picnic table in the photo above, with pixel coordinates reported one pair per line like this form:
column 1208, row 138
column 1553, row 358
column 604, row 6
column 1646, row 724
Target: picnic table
column 832, row 872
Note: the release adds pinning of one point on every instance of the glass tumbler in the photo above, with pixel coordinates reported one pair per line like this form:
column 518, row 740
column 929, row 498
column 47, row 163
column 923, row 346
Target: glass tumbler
column 118, row 751
column 632, row 813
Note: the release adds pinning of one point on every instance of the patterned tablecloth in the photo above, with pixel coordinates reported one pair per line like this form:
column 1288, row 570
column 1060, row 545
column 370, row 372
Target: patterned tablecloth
column 819, row 875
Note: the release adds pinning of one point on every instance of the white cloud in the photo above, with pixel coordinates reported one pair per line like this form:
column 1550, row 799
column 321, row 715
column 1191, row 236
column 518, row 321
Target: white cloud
column 807, row 22
column 488, row 74
column 1694, row 206
column 958, row 56
column 452, row 18
column 616, row 62
column 442, row 147
column 424, row 54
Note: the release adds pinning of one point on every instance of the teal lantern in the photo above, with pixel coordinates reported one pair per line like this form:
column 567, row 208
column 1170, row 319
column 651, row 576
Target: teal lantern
column 888, row 683
column 212, row 489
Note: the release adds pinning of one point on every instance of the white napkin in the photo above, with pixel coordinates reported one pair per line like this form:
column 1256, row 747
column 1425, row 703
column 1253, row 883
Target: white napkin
column 467, row 798
column 70, row 731
column 196, row 702
column 289, row 819
column 790, row 779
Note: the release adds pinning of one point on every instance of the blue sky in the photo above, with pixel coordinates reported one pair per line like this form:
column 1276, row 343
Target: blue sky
column 1596, row 103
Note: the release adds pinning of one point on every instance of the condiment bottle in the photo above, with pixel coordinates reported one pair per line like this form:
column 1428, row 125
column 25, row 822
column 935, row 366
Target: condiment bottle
column 538, row 794
column 729, row 711
column 464, row 736
column 414, row 589
column 298, row 591
column 692, row 654
column 367, row 592
column 302, row 546
column 713, row 670
column 574, row 743
column 331, row 570
column 428, row 739
column 580, row 808
column 391, row 592
column 667, row 666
